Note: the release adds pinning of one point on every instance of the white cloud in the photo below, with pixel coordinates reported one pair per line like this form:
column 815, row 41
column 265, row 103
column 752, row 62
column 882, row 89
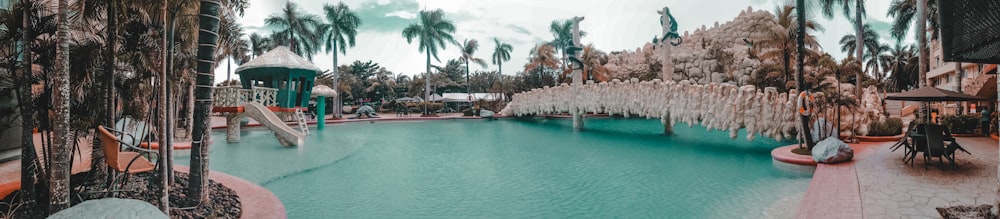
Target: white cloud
column 402, row 14
column 382, row 2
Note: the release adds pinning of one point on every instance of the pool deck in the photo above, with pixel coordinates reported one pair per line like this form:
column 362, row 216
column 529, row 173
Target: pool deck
column 877, row 184
column 257, row 202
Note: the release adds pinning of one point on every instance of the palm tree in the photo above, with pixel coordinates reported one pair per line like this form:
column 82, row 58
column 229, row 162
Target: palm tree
column 873, row 60
column 60, row 155
column 432, row 31
column 297, row 29
column 780, row 41
column 163, row 118
column 563, row 34
column 542, row 56
column 469, row 48
column 848, row 43
column 209, row 25
column 874, row 48
column 903, row 12
column 501, row 53
column 230, row 41
column 800, row 36
column 901, row 64
column 342, row 23
column 592, row 60
column 259, row 44
column 29, row 160
column 859, row 30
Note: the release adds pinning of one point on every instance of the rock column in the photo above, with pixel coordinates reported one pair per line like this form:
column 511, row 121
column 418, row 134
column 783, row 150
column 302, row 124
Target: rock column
column 233, row 127
column 577, row 75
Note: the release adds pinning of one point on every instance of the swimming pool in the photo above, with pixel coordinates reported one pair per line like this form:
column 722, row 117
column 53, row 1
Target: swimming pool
column 512, row 168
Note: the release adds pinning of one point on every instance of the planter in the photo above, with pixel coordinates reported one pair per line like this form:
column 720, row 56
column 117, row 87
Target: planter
column 880, row 138
column 785, row 155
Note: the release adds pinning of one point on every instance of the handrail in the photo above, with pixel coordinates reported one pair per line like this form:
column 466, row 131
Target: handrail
column 235, row 96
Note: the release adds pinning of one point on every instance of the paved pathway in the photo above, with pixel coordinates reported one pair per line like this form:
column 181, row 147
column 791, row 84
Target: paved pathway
column 891, row 189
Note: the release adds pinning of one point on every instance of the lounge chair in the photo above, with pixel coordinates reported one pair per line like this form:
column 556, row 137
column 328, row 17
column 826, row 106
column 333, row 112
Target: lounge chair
column 124, row 162
column 936, row 147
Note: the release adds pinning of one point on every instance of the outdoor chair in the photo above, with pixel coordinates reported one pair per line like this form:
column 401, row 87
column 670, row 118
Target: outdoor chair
column 123, row 163
column 918, row 141
column 954, row 142
column 904, row 142
column 936, row 147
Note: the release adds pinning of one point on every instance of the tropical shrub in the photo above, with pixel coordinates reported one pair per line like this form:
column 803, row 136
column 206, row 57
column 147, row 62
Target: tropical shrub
column 889, row 127
column 960, row 124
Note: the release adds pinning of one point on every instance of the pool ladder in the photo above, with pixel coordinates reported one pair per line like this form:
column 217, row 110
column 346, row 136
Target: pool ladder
column 301, row 117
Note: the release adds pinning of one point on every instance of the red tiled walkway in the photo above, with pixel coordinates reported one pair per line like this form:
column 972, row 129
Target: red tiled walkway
column 834, row 191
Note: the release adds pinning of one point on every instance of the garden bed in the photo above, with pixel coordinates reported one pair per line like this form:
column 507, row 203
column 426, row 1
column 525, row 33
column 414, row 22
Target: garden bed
column 223, row 201
column 880, row 138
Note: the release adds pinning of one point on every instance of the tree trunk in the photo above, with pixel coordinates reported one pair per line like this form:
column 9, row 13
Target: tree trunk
column 29, row 159
column 922, row 44
column 859, row 42
column 161, row 112
column 189, row 106
column 98, row 167
column 800, row 77
column 960, row 74
column 60, row 169
column 468, row 86
column 788, row 69
column 336, row 85
column 207, row 38
column 427, row 83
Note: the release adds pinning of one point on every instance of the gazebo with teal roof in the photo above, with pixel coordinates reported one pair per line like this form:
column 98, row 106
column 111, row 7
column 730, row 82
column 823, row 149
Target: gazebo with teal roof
column 292, row 76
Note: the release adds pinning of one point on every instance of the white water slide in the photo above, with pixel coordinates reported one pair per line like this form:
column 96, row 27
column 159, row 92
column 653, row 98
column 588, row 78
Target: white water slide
column 286, row 135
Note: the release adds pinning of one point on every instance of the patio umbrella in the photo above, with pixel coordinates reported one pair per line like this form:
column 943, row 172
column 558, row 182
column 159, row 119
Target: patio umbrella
column 928, row 94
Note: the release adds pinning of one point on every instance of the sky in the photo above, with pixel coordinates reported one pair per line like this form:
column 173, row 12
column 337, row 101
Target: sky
column 610, row 26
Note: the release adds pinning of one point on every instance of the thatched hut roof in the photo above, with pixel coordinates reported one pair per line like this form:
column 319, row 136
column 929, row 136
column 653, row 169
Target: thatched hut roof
column 279, row 57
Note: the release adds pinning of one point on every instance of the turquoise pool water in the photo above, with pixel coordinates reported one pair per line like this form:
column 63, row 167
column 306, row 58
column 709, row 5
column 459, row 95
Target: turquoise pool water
column 513, row 168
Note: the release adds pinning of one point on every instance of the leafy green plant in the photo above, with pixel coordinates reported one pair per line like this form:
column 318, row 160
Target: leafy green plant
column 960, row 124
column 889, row 127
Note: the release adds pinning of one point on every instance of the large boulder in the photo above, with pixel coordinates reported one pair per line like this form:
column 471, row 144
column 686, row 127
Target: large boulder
column 832, row 150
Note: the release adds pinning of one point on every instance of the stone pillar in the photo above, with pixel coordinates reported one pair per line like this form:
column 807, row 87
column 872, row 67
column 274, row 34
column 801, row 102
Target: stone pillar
column 233, row 127
column 577, row 76
column 320, row 112
column 668, row 63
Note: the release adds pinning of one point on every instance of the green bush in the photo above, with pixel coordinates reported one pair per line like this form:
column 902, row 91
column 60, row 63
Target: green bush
column 431, row 107
column 960, row 124
column 890, row 127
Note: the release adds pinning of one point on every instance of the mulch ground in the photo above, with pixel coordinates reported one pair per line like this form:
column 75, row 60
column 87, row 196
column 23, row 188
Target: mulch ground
column 223, row 202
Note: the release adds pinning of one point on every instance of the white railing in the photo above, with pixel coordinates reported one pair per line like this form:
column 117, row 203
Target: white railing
column 234, row 96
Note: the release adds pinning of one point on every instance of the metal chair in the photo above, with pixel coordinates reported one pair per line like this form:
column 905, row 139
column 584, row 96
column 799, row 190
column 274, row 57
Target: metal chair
column 123, row 163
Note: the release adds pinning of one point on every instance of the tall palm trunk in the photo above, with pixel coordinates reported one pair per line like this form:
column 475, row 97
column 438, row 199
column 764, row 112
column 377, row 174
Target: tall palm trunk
column 29, row 159
column 336, row 84
column 788, row 69
column 960, row 74
column 427, row 83
column 60, row 169
column 468, row 86
column 98, row 167
column 207, row 38
column 859, row 42
column 163, row 106
column 800, row 77
column 922, row 43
